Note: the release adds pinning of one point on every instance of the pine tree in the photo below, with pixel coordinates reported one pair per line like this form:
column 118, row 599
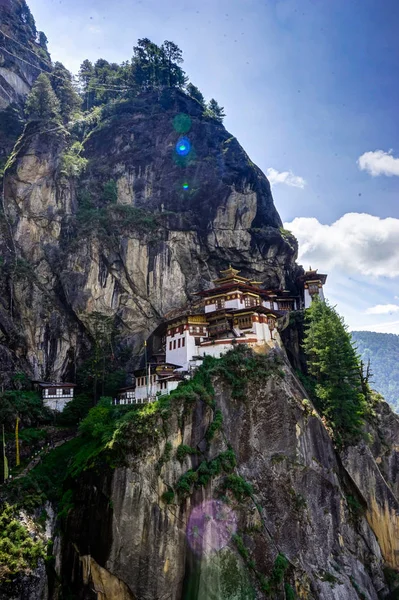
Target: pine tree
column 64, row 89
column 215, row 111
column 42, row 104
column 194, row 92
column 172, row 57
column 334, row 364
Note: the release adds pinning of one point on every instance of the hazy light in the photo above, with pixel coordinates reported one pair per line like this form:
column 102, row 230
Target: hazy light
column 211, row 526
column 183, row 146
column 182, row 123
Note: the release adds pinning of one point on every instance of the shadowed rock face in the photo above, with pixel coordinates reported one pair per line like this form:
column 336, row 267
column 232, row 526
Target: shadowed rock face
column 142, row 255
column 21, row 59
column 299, row 507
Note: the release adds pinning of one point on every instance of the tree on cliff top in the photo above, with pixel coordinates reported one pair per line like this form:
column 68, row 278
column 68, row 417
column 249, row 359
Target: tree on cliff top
column 42, row 104
column 61, row 81
column 335, row 366
column 194, row 92
column 215, row 111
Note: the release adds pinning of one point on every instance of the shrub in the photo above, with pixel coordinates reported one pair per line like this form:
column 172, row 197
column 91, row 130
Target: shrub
column 240, row 488
column 19, row 552
column 183, row 451
column 214, row 426
column 168, row 496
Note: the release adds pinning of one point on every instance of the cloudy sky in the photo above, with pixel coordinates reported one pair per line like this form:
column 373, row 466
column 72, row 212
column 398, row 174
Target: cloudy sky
column 310, row 89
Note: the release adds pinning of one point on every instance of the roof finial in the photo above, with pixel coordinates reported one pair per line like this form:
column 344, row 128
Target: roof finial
column 310, row 268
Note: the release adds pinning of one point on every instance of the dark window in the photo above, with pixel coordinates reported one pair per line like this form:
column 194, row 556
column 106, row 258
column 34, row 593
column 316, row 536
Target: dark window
column 178, row 343
column 170, row 345
column 183, row 342
column 174, row 344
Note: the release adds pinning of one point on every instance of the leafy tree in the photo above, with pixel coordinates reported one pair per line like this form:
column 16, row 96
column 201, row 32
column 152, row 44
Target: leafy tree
column 42, row 104
column 334, row 364
column 43, row 41
column 97, row 368
column 147, row 63
column 215, row 111
column 155, row 67
column 61, row 81
column 172, row 57
column 72, row 163
column 194, row 92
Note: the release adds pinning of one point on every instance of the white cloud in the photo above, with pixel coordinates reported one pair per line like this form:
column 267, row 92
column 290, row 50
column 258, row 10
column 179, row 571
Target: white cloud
column 382, row 309
column 286, row 177
column 379, row 162
column 356, row 243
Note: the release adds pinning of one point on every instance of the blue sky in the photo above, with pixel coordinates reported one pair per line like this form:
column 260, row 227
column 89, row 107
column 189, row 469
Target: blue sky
column 310, row 90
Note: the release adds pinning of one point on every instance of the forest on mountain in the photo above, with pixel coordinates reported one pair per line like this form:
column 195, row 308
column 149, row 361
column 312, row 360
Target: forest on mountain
column 382, row 349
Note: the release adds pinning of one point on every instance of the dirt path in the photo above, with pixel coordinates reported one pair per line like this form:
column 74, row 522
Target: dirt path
column 38, row 458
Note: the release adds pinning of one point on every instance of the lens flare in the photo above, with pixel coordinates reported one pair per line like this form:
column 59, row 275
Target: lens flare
column 185, row 186
column 182, row 123
column 183, row 146
column 211, row 526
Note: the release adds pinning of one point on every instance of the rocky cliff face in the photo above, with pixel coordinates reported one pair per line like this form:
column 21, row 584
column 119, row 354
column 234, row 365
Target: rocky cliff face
column 165, row 228
column 333, row 517
column 23, row 55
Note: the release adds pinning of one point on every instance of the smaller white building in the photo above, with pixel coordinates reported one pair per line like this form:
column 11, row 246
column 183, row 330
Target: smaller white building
column 55, row 395
column 126, row 395
column 157, row 380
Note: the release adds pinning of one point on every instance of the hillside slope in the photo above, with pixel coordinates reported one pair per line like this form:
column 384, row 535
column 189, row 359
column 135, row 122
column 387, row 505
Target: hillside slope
column 383, row 351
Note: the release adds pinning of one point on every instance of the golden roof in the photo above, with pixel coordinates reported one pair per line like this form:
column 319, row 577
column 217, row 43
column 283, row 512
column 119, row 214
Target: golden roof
column 230, row 275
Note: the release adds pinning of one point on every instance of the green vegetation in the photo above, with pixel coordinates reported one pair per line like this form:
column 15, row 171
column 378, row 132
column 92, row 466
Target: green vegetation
column 215, row 111
column 75, row 410
column 65, row 91
column 224, row 463
column 19, row 550
column 335, row 368
column 382, row 350
column 359, row 592
column 194, row 92
column 110, row 220
column 240, row 488
column 110, row 192
column 153, row 68
column 242, row 365
column 214, row 426
column 168, row 496
column 100, row 374
column 72, row 164
column 27, row 405
column 42, row 104
column 183, row 450
column 166, row 456
column 272, row 584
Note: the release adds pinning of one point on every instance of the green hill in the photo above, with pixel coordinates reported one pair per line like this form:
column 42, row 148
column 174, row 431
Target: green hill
column 383, row 351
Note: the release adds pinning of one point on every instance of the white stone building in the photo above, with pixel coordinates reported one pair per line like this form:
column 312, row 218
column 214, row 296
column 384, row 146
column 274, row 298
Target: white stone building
column 55, row 395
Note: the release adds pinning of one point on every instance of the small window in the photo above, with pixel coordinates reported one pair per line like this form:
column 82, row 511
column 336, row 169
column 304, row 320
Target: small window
column 174, row 344
column 170, row 345
column 178, row 343
column 183, row 342
column 65, row 392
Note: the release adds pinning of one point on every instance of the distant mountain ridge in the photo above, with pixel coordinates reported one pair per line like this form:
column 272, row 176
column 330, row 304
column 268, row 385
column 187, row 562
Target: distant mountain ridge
column 383, row 351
